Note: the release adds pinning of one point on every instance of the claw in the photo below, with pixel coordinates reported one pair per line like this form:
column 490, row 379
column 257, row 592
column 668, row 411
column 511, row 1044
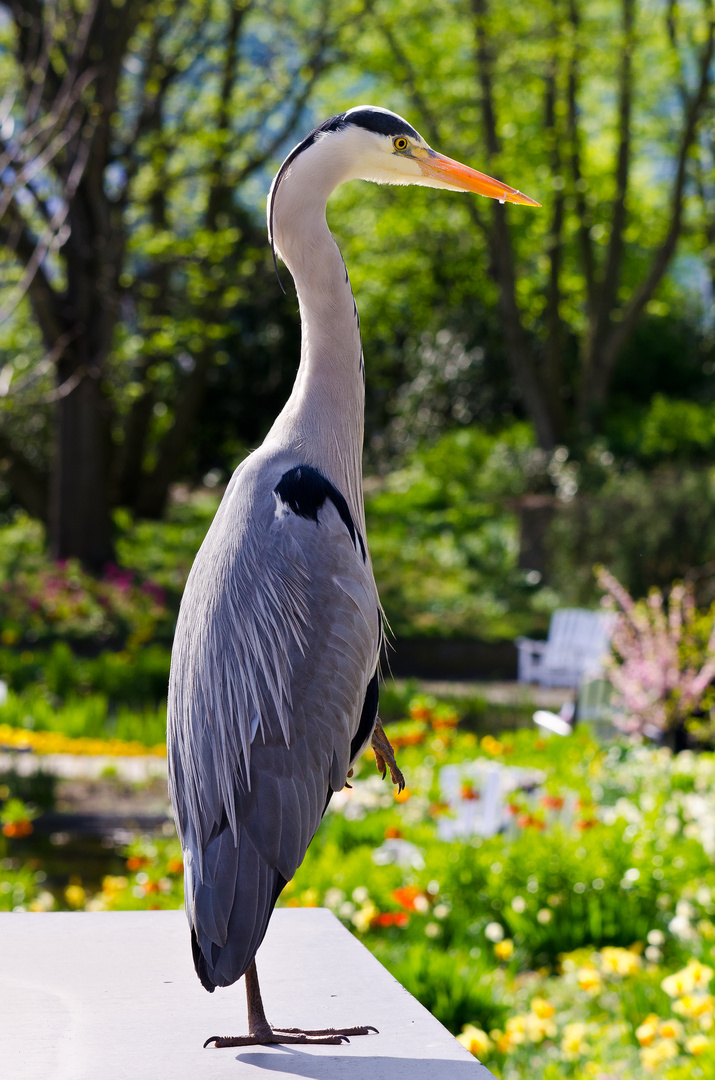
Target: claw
column 289, row 1036
column 385, row 756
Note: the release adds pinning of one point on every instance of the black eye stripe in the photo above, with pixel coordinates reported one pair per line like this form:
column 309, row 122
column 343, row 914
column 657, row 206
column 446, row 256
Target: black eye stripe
column 381, row 123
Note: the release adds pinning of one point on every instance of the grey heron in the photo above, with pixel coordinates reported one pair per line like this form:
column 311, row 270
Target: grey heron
column 273, row 691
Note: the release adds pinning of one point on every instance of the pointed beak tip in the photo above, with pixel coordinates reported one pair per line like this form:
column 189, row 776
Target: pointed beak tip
column 461, row 176
column 524, row 200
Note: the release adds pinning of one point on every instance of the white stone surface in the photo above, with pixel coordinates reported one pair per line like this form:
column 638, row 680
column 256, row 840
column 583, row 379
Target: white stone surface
column 113, row 996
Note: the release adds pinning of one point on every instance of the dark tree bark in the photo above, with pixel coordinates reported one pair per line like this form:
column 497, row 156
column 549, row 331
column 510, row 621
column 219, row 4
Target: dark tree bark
column 66, row 132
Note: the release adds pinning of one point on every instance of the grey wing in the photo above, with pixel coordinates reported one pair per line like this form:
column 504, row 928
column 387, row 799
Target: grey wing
column 273, row 692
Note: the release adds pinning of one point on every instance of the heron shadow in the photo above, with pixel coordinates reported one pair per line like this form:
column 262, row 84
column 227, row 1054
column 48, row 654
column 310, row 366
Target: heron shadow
column 296, row 1063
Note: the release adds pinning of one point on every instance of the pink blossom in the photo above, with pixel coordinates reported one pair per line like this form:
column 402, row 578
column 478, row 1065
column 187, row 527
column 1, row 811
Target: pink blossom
column 659, row 675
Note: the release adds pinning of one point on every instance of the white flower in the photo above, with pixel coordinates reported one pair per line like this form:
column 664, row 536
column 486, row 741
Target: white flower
column 494, row 932
column 334, row 898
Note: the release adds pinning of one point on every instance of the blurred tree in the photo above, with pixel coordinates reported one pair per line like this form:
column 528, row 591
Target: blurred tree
column 602, row 112
column 131, row 134
column 68, row 239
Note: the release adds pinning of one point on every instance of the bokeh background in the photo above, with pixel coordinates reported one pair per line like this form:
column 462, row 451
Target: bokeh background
column 541, row 383
column 540, row 402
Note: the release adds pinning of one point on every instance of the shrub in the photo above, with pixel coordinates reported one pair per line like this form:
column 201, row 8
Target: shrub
column 666, row 660
column 134, row 678
column 445, row 545
column 649, row 528
column 62, row 601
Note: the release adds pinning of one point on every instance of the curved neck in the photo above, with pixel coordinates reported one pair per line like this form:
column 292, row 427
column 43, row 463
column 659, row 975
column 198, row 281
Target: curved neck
column 323, row 419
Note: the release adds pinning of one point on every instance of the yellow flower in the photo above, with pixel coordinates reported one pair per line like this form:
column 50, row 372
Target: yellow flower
column 542, row 1008
column 504, row 1041
column 589, row 979
column 700, row 974
column 615, row 961
column 504, row 950
column 112, row 885
column 648, row 1030
column 678, row 984
column 671, row 1029
column 530, row 1028
column 515, row 1030
column 660, row 1051
column 694, row 1005
column 49, row 742
column 573, row 1043
column 697, row 1045
column 361, row 919
column 475, row 1040
column 75, row 896
column 541, row 1027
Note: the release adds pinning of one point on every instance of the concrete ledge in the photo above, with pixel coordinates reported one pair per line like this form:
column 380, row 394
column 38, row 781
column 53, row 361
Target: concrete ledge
column 113, row 996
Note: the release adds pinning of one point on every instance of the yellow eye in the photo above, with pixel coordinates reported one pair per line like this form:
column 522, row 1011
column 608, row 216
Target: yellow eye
column 399, row 143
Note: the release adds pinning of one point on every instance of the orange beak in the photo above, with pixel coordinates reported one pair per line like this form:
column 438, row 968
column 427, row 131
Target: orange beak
column 460, row 176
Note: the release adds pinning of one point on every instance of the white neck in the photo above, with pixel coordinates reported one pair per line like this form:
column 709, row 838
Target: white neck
column 323, row 419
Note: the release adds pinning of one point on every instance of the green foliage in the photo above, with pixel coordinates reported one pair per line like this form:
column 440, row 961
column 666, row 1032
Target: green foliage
column 648, row 528
column 444, row 546
column 18, row 885
column 663, row 658
column 555, row 939
column 90, row 716
column 450, row 984
column 43, row 601
column 14, row 811
column 668, row 429
column 414, row 282
column 122, row 677
column 163, row 551
column 62, row 601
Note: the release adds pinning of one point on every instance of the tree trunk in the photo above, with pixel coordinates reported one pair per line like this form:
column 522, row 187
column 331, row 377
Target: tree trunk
column 80, row 522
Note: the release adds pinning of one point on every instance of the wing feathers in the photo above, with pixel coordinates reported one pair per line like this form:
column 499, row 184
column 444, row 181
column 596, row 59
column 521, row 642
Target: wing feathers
column 276, row 642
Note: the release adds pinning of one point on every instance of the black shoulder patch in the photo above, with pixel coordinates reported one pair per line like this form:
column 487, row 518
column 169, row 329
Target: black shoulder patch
column 383, row 123
column 304, row 490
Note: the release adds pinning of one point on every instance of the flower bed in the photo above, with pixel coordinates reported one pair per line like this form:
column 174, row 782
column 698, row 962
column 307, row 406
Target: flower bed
column 578, row 941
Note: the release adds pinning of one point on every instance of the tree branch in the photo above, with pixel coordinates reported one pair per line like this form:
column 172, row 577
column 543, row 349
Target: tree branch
column 607, row 292
column 640, row 297
column 584, row 230
column 518, row 349
column 554, row 324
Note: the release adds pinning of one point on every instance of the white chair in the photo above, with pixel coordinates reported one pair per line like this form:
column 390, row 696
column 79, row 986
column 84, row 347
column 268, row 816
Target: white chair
column 575, row 648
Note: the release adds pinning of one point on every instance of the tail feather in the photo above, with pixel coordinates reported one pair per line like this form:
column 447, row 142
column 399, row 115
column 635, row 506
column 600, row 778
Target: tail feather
column 230, row 910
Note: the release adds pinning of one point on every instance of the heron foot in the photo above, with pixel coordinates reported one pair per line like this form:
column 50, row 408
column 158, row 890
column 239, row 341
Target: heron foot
column 280, row 1036
column 385, row 756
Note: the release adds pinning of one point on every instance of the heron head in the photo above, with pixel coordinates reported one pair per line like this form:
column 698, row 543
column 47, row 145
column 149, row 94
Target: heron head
column 384, row 148
column 369, row 143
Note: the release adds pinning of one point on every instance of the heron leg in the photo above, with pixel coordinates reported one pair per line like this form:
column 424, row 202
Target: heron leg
column 385, row 756
column 263, row 1034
